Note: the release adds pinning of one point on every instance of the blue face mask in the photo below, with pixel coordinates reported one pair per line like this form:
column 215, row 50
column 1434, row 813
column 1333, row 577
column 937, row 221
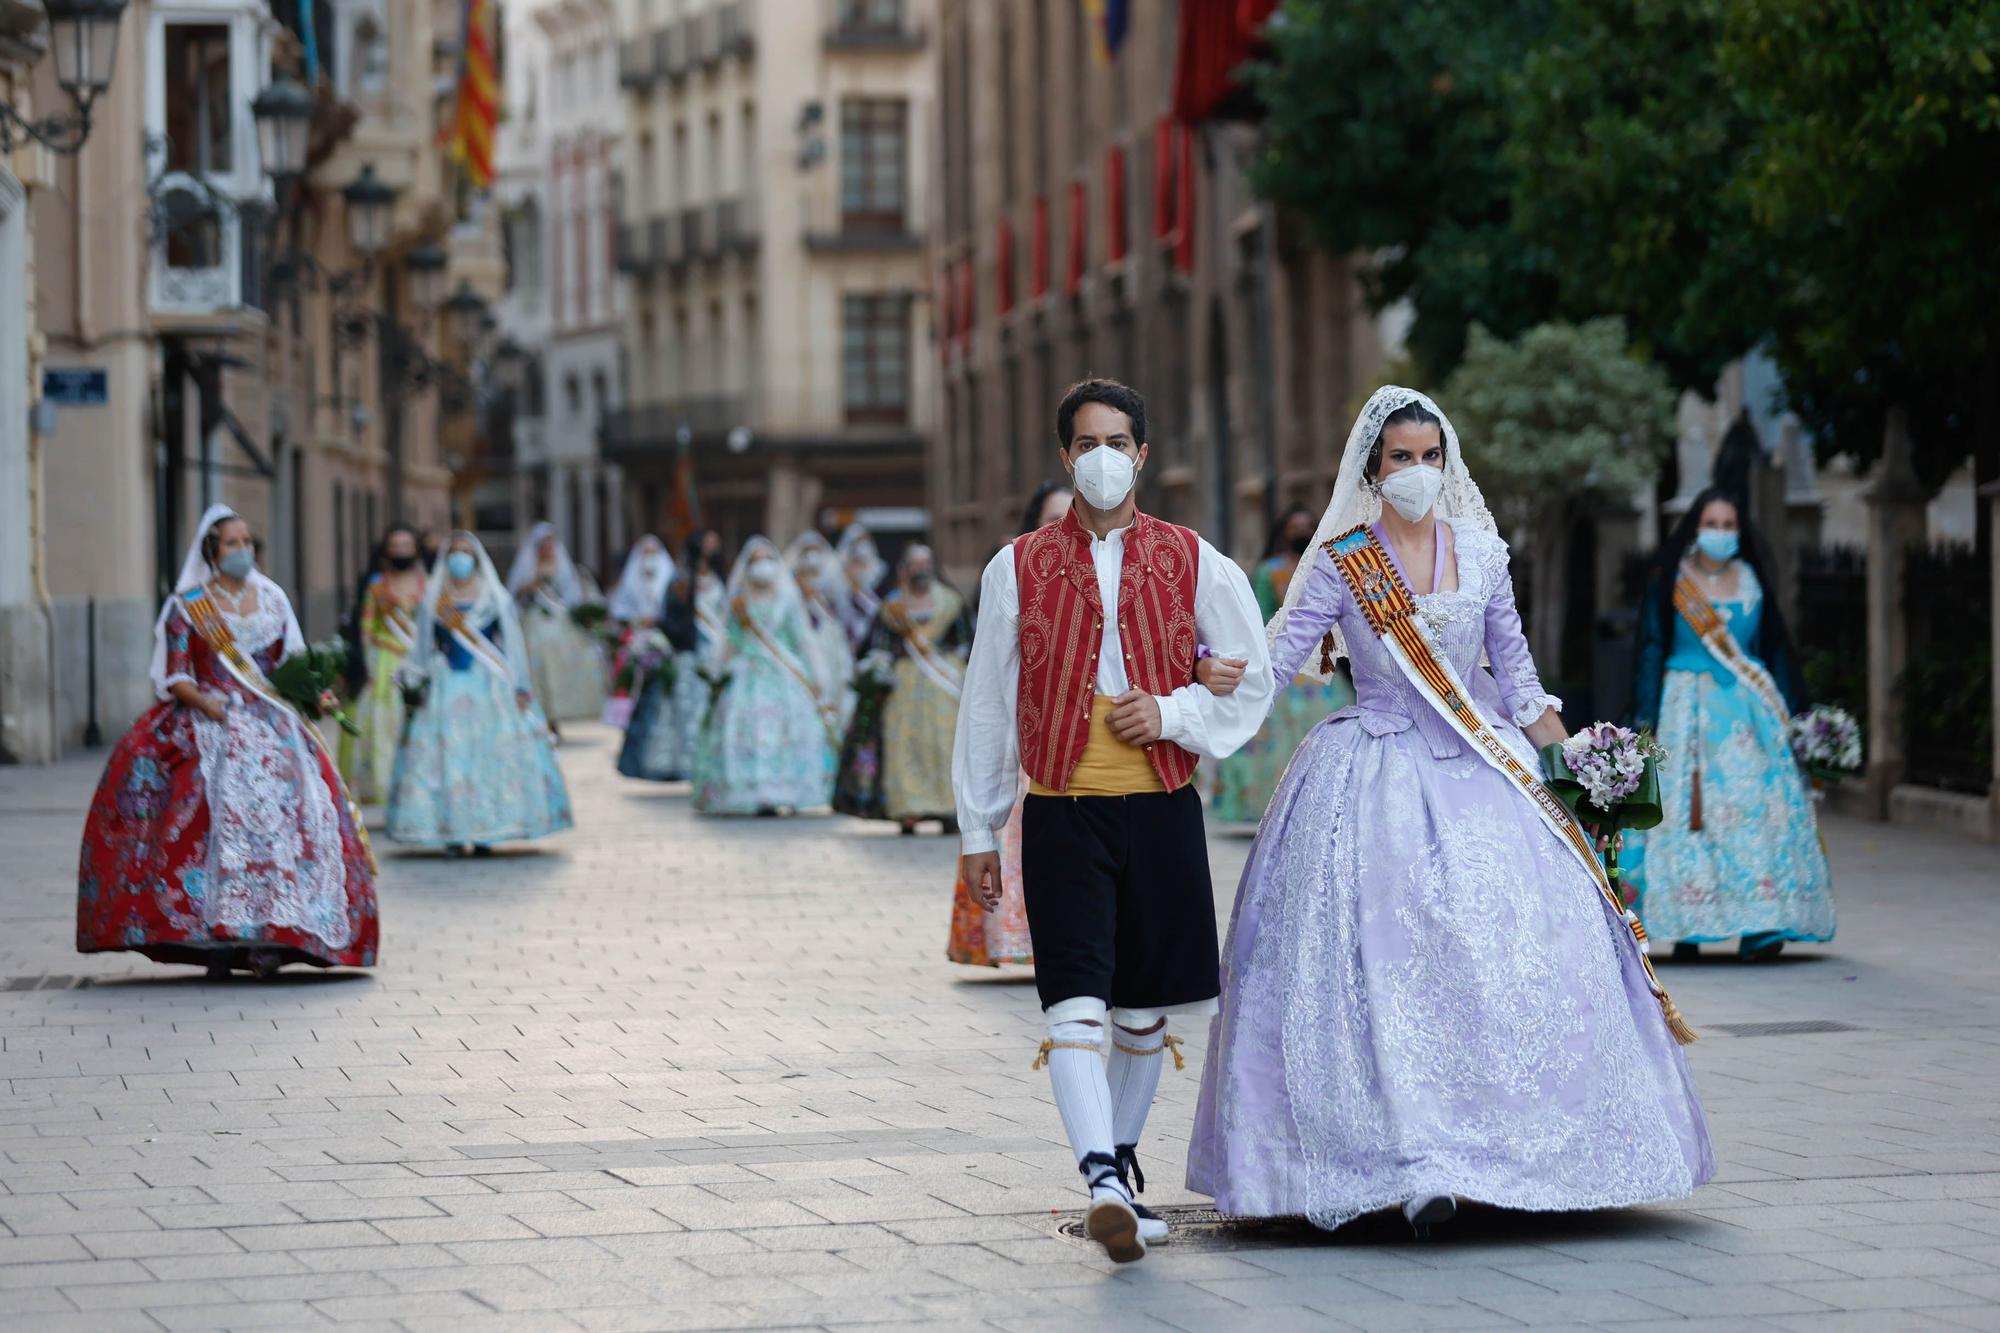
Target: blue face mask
column 238, row 563
column 460, row 564
column 1717, row 544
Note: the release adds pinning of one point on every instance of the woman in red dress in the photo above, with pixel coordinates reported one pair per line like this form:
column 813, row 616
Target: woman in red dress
column 220, row 833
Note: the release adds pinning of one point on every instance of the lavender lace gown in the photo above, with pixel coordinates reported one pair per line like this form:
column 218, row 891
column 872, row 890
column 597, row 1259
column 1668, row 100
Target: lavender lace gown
column 1423, row 992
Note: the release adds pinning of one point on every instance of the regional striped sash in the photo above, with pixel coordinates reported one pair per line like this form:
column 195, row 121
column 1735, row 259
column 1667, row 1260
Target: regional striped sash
column 453, row 618
column 1709, row 626
column 1385, row 601
column 791, row 665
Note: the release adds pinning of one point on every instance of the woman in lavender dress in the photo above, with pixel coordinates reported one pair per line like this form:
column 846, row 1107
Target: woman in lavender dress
column 1425, row 995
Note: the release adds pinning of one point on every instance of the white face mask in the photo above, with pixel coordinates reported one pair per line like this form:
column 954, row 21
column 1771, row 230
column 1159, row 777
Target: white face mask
column 1413, row 491
column 763, row 571
column 1104, row 477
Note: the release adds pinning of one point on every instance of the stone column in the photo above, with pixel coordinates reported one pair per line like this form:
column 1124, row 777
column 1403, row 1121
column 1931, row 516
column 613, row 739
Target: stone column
column 1896, row 502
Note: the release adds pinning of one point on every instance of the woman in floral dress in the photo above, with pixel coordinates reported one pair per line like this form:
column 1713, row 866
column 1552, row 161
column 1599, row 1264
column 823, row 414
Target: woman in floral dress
column 665, row 725
column 476, row 767
column 896, row 760
column 1738, row 853
column 388, row 625
column 1427, row 991
column 767, row 746
column 221, row 834
column 569, row 674
column 637, row 603
column 817, row 570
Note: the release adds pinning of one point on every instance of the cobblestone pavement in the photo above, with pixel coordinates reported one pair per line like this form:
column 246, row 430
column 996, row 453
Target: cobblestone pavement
column 663, row 1073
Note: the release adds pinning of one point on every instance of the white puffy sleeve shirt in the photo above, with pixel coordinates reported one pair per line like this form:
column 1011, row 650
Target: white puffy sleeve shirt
column 985, row 760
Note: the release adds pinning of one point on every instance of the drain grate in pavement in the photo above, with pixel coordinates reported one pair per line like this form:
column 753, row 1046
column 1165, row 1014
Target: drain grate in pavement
column 47, row 981
column 1797, row 1028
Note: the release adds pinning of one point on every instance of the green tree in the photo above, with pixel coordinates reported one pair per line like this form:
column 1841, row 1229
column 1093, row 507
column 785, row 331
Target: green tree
column 1385, row 128
column 1557, row 426
column 1820, row 176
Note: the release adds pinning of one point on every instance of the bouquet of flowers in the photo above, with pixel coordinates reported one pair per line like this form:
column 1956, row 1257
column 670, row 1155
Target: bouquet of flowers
column 1609, row 777
column 589, row 615
column 1827, row 743
column 306, row 681
column 646, row 656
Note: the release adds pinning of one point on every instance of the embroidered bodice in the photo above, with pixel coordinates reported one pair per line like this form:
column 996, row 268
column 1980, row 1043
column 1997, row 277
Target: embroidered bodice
column 1743, row 614
column 260, row 635
column 1478, row 617
column 456, row 655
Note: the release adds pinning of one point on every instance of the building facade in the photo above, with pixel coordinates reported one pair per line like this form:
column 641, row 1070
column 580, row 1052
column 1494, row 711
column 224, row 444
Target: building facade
column 27, row 675
column 775, row 186
column 248, row 353
column 1086, row 224
column 563, row 309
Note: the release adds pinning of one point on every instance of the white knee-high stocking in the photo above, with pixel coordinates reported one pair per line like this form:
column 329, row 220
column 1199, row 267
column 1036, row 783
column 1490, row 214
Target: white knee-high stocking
column 1133, row 1078
column 1075, row 1056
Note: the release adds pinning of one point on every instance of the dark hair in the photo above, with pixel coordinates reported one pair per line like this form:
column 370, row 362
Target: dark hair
column 1409, row 414
column 1031, row 517
column 1276, row 544
column 382, row 546
column 1773, row 646
column 1112, row 394
column 211, row 541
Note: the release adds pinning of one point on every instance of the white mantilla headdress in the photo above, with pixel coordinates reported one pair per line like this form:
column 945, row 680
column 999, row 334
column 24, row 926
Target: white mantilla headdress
column 1356, row 502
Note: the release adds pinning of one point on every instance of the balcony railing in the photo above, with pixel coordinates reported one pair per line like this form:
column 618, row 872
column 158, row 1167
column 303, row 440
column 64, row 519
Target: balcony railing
column 831, row 229
column 707, row 420
column 660, row 239
column 635, row 250
column 638, row 65
column 736, row 230
column 849, row 26
column 670, row 50
column 739, row 28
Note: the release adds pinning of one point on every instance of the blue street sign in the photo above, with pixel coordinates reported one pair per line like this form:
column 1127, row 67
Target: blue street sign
column 76, row 386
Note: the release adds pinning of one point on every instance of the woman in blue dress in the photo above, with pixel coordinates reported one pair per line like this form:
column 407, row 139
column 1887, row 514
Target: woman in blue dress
column 476, row 766
column 1739, row 853
column 768, row 745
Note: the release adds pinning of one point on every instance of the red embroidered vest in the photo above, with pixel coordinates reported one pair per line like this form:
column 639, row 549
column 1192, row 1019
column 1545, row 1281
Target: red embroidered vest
column 1062, row 627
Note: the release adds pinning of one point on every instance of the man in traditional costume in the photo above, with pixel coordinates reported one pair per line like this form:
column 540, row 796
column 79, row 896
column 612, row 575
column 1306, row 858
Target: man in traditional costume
column 1083, row 675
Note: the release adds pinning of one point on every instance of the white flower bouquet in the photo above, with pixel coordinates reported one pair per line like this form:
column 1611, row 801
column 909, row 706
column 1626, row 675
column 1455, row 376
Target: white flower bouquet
column 1609, row 777
column 1827, row 742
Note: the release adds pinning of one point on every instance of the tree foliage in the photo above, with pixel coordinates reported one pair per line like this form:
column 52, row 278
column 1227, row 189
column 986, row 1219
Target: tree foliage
column 1818, row 177
column 1557, row 425
column 1385, row 126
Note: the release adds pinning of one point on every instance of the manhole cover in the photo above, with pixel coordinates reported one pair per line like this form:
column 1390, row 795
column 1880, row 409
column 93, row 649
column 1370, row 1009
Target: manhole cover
column 1199, row 1228
column 1798, row 1028
column 47, row 981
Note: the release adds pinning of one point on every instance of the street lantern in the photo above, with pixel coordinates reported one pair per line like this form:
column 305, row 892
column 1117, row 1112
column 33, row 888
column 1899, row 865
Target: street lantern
column 426, row 264
column 283, row 112
column 84, row 37
column 371, row 204
column 466, row 309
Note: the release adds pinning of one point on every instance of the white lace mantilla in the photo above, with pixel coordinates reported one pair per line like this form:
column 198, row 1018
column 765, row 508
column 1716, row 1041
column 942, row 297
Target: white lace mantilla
column 275, row 856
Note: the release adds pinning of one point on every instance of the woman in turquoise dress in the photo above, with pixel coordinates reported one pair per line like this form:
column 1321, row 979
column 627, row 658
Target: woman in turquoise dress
column 476, row 766
column 767, row 747
column 1244, row 781
column 665, row 725
column 1738, row 854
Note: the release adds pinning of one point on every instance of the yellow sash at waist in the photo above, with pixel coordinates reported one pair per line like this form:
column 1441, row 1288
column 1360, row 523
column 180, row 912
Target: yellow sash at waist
column 1107, row 766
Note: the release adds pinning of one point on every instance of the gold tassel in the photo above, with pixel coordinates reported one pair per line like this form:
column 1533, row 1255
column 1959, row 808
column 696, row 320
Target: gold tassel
column 1042, row 1055
column 1677, row 1025
column 1326, row 655
column 1173, row 1043
column 1694, row 805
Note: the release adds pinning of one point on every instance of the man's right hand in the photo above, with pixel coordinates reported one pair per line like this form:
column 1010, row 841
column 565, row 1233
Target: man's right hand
column 981, row 873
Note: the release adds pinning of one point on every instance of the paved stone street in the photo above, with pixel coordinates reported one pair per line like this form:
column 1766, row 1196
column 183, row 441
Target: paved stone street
column 663, row 1073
